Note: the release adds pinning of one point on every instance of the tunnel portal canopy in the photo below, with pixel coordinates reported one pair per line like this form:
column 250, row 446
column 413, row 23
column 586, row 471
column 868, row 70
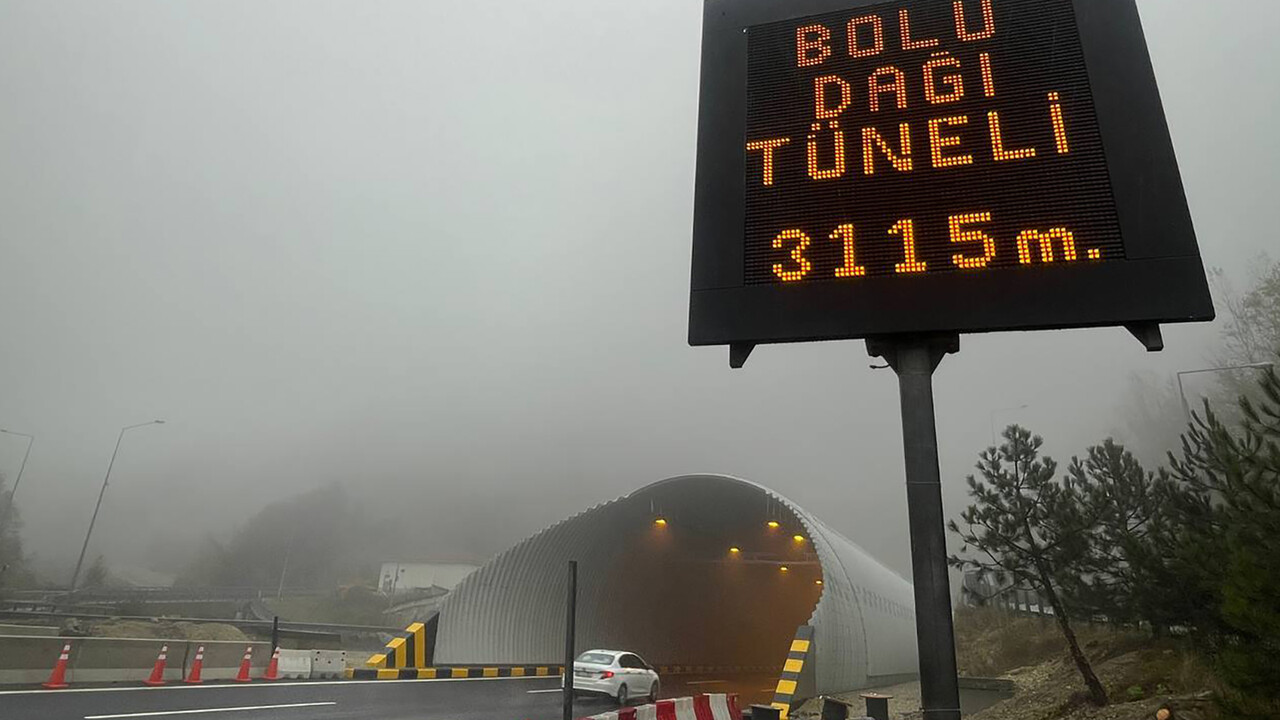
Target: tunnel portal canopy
column 703, row 570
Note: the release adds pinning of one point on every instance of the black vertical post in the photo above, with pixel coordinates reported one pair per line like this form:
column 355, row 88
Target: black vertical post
column 914, row 359
column 569, row 640
column 275, row 633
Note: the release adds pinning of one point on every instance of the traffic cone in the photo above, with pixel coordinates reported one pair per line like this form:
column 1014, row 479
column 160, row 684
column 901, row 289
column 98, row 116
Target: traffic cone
column 157, row 672
column 273, row 667
column 243, row 675
column 196, row 667
column 57, row 678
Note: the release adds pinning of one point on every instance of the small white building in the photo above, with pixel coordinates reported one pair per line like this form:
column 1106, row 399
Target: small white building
column 397, row 578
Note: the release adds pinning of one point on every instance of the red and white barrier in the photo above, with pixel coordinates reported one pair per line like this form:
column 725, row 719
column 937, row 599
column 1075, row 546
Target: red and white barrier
column 716, row 706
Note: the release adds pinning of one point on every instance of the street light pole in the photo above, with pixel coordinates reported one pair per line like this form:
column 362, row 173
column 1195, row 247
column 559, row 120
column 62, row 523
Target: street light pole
column 1183, row 394
column 93, row 520
column 31, row 440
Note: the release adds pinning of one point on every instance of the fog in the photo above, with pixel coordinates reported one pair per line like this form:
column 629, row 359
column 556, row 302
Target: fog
column 438, row 251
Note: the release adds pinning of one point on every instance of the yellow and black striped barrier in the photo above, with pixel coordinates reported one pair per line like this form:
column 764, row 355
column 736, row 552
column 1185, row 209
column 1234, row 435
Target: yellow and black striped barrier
column 406, row 650
column 794, row 678
column 406, row 658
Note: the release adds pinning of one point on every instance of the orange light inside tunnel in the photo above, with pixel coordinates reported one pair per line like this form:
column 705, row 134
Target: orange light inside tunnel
column 817, row 582
column 784, row 568
column 660, row 522
column 798, row 538
column 734, row 551
column 773, row 524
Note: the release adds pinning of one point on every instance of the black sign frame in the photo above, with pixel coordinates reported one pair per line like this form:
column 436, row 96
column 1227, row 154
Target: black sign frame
column 1162, row 279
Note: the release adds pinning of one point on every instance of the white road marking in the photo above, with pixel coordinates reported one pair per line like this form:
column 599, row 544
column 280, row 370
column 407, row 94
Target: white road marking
column 551, row 690
column 228, row 685
column 202, row 711
column 706, row 682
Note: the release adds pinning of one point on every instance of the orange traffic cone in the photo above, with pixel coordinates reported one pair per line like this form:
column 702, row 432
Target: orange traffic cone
column 157, row 672
column 273, row 667
column 196, row 667
column 58, row 678
column 243, row 675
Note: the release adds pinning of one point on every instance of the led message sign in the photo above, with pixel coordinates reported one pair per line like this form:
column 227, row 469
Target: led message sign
column 933, row 165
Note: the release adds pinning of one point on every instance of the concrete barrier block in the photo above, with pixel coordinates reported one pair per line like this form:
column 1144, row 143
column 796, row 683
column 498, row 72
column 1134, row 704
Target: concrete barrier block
column 328, row 663
column 26, row 659
column 295, row 664
column 222, row 659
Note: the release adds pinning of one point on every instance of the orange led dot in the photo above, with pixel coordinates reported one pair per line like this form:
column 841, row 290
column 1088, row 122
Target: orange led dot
column 767, row 147
column 959, row 234
column 877, row 36
column 806, row 44
column 998, row 150
column 1044, row 240
column 945, row 87
column 988, row 81
column 851, row 268
column 1094, row 253
column 838, row 162
column 797, row 254
column 904, row 24
column 1059, row 125
column 897, row 84
column 906, row 229
column 938, row 142
column 872, row 139
column 962, row 27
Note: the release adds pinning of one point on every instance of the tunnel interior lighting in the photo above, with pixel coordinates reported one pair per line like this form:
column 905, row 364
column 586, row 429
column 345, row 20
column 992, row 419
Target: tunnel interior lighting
column 773, row 524
column 660, row 521
column 798, row 538
column 817, row 582
column 734, row 550
column 784, row 568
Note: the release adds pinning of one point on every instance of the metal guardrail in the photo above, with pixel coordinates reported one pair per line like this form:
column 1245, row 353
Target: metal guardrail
column 241, row 623
column 152, row 594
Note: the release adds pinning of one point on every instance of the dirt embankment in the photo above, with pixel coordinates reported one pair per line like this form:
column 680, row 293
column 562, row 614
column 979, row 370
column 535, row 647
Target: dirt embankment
column 1142, row 676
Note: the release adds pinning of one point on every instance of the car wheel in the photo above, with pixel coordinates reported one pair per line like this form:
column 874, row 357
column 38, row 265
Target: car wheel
column 653, row 692
column 622, row 695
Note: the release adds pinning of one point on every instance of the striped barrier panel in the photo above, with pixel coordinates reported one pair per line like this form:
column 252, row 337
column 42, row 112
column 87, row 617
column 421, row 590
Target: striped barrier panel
column 406, row 650
column 796, row 683
column 712, row 706
column 449, row 672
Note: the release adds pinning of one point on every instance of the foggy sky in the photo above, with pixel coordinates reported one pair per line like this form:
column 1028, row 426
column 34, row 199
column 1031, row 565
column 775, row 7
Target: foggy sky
column 439, row 251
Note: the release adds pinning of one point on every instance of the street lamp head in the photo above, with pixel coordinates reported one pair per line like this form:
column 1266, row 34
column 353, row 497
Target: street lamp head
column 158, row 422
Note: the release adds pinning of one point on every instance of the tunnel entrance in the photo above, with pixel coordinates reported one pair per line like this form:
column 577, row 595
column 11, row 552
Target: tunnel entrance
column 705, row 574
column 702, row 571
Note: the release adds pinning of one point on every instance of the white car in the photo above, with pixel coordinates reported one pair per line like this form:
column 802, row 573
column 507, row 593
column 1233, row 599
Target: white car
column 618, row 674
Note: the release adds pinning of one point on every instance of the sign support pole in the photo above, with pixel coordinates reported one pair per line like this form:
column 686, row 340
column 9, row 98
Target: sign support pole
column 569, row 640
column 914, row 358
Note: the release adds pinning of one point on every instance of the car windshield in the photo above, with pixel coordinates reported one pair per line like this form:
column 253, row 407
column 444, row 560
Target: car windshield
column 595, row 658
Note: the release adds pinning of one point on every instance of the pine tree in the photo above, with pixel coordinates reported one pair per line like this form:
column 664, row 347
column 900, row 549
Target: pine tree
column 1128, row 570
column 1029, row 528
column 1228, row 553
